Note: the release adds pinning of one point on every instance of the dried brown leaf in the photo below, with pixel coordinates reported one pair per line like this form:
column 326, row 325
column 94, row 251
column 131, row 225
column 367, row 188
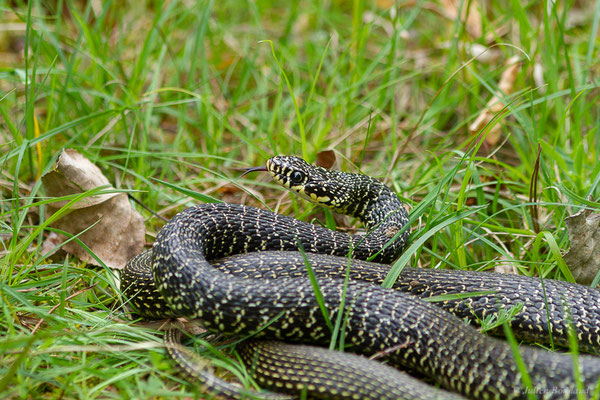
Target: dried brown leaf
column 325, row 159
column 473, row 20
column 119, row 231
column 505, row 266
column 384, row 4
column 583, row 258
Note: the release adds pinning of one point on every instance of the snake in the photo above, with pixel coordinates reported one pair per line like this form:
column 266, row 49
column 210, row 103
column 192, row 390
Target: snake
column 250, row 272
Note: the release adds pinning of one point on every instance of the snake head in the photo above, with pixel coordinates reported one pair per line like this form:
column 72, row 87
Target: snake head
column 316, row 184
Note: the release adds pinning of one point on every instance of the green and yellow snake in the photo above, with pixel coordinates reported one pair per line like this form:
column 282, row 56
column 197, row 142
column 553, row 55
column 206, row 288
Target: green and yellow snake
column 238, row 270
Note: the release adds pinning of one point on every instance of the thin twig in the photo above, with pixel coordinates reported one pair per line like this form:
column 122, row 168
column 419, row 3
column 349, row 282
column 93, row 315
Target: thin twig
column 37, row 326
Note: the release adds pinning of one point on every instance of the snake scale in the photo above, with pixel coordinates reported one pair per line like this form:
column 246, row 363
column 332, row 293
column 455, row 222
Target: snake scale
column 238, row 271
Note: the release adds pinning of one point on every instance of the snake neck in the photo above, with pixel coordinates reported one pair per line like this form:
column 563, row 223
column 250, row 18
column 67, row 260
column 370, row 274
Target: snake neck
column 368, row 199
column 376, row 205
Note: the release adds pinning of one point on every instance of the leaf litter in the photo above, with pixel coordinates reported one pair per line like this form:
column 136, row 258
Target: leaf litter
column 106, row 223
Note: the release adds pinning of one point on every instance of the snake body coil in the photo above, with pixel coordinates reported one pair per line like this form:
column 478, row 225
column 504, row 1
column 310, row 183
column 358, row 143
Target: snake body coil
column 416, row 335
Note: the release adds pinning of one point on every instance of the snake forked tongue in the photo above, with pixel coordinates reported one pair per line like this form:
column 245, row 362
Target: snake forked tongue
column 253, row 169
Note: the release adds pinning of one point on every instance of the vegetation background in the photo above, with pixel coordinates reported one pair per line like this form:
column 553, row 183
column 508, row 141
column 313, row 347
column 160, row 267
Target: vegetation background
column 186, row 92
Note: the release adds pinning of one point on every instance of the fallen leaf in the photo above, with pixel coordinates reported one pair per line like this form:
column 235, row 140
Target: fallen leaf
column 384, row 4
column 52, row 243
column 473, row 19
column 118, row 233
column 505, row 266
column 495, row 104
column 583, row 258
column 325, row 159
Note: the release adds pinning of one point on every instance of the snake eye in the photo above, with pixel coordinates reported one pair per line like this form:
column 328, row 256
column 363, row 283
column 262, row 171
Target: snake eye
column 297, row 177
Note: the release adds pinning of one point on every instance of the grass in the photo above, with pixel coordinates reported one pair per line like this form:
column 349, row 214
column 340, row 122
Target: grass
column 166, row 95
